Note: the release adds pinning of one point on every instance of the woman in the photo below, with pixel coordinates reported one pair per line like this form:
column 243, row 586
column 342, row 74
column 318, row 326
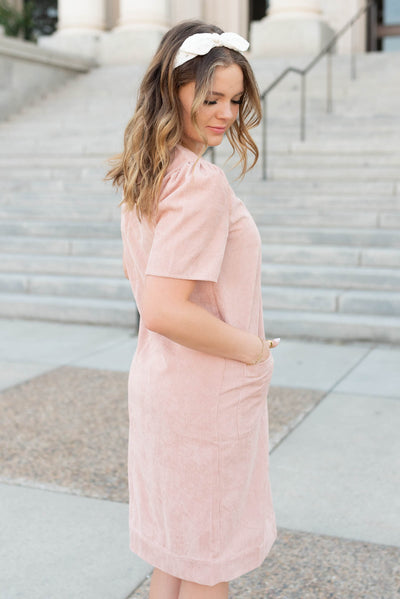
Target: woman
column 200, row 508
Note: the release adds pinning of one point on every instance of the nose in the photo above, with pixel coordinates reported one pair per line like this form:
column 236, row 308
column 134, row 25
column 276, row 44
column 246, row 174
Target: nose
column 226, row 111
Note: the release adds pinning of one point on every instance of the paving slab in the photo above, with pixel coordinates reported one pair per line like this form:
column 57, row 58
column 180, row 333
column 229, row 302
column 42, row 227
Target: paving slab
column 54, row 441
column 12, row 373
column 54, row 342
column 57, row 423
column 65, row 546
column 118, row 357
column 313, row 365
column 378, row 374
column 68, row 428
column 303, row 565
column 338, row 472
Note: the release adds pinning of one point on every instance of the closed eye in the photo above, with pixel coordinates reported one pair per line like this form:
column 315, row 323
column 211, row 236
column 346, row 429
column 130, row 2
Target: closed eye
column 211, row 102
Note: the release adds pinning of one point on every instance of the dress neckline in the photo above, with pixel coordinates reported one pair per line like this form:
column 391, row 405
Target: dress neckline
column 186, row 150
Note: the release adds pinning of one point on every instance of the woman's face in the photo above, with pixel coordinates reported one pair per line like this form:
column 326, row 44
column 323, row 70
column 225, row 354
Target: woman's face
column 219, row 110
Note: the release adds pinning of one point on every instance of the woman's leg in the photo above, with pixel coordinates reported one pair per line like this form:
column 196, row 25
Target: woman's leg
column 191, row 590
column 163, row 585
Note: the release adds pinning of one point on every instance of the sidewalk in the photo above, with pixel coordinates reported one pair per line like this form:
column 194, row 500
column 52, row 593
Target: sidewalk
column 335, row 468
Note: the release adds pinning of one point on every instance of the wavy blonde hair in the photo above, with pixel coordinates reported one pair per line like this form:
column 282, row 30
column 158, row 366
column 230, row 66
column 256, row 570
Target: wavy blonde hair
column 156, row 127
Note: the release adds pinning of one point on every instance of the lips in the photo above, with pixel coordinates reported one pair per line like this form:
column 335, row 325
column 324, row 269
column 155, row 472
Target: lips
column 217, row 129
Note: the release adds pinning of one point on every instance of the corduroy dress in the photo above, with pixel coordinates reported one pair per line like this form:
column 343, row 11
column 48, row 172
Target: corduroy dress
column 200, row 505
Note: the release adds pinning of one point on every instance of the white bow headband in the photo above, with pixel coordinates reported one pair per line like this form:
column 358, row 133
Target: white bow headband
column 199, row 44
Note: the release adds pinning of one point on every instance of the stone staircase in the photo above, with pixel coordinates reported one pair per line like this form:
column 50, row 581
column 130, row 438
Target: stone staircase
column 329, row 214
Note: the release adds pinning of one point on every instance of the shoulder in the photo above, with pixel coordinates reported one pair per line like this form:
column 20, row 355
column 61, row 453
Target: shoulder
column 191, row 171
column 194, row 189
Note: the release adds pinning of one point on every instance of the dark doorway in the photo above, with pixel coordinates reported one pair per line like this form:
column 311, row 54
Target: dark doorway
column 384, row 26
column 257, row 9
column 44, row 16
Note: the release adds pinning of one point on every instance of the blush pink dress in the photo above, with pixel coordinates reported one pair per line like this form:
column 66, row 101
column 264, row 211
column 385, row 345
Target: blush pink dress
column 200, row 505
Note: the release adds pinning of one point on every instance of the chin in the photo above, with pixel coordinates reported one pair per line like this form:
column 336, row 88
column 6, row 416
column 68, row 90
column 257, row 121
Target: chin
column 214, row 142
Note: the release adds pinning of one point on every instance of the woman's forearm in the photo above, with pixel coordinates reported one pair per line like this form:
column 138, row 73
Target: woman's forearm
column 193, row 326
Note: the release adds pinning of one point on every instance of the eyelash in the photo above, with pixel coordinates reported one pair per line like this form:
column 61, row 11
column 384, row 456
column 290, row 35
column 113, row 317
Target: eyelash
column 211, row 102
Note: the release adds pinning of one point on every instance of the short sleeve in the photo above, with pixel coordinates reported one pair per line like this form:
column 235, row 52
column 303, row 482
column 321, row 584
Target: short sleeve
column 192, row 224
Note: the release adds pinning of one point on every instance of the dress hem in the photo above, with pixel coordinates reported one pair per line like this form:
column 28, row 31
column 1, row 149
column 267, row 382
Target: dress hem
column 202, row 572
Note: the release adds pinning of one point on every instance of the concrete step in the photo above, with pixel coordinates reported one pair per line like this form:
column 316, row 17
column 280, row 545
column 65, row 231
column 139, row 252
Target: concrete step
column 53, row 254
column 314, row 160
column 96, row 287
column 258, row 203
column 329, row 221
column 51, row 173
column 49, row 250
column 320, row 218
column 62, row 229
column 322, row 130
column 69, row 309
column 312, row 217
column 60, row 213
column 331, row 255
column 254, row 184
column 385, row 303
column 283, row 113
column 67, row 185
column 340, row 277
column 334, row 173
column 350, row 237
column 294, row 323
column 106, row 196
column 343, row 146
column 340, row 327
column 12, row 164
column 36, row 178
column 103, row 266
column 51, row 161
column 370, row 302
column 21, row 244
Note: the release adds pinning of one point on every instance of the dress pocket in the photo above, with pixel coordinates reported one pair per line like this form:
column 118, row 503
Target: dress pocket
column 259, row 369
column 252, row 405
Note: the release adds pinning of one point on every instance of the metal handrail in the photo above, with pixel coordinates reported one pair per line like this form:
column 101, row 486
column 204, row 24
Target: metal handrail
column 370, row 5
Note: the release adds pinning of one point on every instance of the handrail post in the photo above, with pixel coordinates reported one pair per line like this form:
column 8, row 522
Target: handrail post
column 373, row 19
column 264, row 139
column 353, row 73
column 211, row 149
column 303, row 108
column 370, row 5
column 329, row 80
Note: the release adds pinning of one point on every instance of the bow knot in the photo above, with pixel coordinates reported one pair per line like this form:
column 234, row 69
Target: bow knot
column 199, row 44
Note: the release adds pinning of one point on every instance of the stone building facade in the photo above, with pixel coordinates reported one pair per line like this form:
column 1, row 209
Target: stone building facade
column 122, row 31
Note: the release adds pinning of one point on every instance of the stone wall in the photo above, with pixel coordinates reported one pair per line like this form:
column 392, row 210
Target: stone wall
column 28, row 72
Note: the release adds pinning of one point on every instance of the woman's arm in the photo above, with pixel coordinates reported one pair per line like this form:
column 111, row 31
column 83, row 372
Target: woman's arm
column 167, row 310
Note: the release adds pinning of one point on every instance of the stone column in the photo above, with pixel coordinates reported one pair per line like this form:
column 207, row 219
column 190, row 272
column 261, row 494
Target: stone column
column 78, row 15
column 230, row 15
column 80, row 27
column 137, row 14
column 294, row 9
column 182, row 10
column 291, row 27
column 141, row 25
